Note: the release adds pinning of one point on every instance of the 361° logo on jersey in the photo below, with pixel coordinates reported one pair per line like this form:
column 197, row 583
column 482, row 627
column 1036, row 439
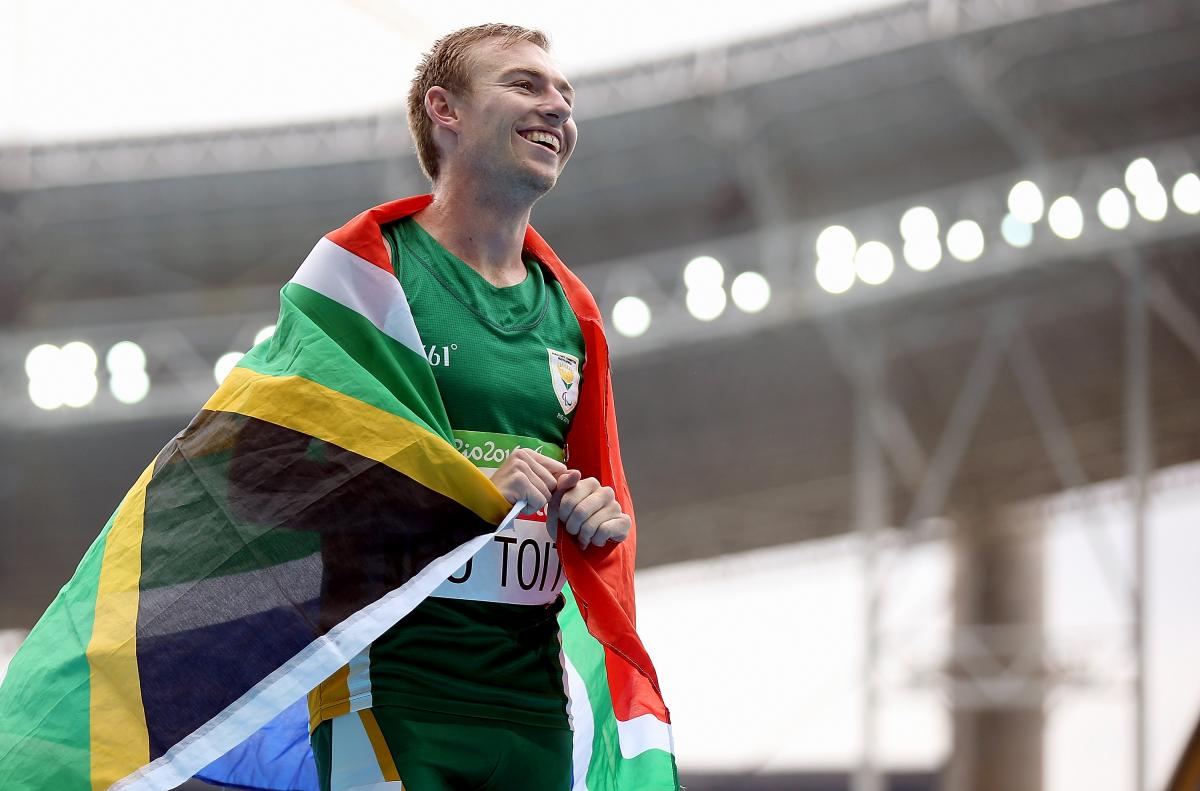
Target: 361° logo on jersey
column 564, row 375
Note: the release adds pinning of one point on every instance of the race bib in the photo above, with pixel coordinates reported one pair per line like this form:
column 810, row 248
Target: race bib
column 518, row 566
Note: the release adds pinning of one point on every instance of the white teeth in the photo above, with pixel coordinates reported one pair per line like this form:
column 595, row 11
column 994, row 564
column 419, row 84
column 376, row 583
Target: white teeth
column 537, row 136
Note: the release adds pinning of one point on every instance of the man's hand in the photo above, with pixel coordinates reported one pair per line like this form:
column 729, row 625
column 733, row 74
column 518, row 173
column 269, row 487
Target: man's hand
column 588, row 511
column 528, row 475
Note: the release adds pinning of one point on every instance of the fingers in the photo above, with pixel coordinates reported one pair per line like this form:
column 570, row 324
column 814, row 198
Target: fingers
column 615, row 530
column 591, row 513
column 563, row 484
column 529, row 476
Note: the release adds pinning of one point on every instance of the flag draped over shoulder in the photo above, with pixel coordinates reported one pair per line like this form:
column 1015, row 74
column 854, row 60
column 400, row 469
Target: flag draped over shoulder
column 313, row 502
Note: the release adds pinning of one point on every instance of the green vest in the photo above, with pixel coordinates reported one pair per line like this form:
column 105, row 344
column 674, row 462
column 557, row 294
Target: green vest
column 508, row 363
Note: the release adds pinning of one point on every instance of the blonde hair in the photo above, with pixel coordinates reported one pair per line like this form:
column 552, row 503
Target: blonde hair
column 448, row 65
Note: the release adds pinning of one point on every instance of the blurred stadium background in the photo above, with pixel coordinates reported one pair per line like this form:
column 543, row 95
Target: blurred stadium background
column 905, row 306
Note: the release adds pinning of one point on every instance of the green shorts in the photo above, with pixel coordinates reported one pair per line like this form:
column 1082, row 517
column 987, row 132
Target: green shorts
column 389, row 748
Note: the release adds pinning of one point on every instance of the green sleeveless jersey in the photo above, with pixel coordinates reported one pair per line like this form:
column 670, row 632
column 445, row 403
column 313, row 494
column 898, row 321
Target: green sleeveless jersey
column 508, row 363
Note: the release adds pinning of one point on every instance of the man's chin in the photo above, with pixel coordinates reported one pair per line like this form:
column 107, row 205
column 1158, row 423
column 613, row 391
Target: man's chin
column 540, row 181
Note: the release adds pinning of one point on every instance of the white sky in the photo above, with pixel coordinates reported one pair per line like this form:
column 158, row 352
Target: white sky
column 72, row 70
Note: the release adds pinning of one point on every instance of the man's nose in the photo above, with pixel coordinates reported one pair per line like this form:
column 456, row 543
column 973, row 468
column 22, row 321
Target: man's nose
column 556, row 107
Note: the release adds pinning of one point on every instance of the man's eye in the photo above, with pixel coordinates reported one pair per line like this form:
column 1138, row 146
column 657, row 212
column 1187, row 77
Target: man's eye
column 524, row 84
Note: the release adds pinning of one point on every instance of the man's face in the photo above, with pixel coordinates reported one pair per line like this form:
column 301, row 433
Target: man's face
column 516, row 128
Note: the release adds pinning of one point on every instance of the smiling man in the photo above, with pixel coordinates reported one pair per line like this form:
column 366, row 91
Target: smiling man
column 469, row 690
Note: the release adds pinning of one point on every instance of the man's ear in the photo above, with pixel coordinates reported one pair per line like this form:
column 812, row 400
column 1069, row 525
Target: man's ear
column 441, row 108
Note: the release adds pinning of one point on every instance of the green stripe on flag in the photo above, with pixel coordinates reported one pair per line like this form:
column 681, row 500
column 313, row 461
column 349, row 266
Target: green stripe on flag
column 652, row 770
column 332, row 345
column 45, row 735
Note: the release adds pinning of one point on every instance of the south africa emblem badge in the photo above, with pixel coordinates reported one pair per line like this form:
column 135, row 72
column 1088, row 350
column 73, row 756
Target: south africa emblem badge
column 564, row 375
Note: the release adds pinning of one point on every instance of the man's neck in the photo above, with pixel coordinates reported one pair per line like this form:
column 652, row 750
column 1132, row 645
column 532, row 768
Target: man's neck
column 486, row 234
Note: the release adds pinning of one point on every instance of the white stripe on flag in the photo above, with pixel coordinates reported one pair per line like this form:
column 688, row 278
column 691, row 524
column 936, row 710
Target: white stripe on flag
column 643, row 733
column 352, row 761
column 583, row 725
column 358, row 681
column 356, row 283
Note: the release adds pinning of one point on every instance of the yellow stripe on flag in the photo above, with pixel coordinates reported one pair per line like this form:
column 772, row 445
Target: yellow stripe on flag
column 307, row 407
column 120, row 742
column 383, row 755
column 330, row 699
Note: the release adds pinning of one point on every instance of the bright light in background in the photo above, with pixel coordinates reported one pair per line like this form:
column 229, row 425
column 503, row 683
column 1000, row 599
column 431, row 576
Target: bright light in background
column 1151, row 202
column 264, row 333
column 42, row 361
column 1025, row 202
column 1187, row 193
column 836, row 247
column 631, row 316
column 127, row 379
column 1016, row 232
column 706, row 304
column 226, row 363
column 41, row 366
column 836, row 243
column 873, row 263
column 62, row 377
column 835, row 276
column 1065, row 217
column 964, row 240
column 1113, row 209
column 919, row 222
column 750, row 291
column 77, row 372
column 919, row 227
column 703, row 272
column 923, row 254
column 706, row 298
column 1140, row 175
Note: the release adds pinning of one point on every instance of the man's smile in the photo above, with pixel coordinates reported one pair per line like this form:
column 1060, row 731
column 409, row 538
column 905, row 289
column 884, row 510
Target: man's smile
column 543, row 138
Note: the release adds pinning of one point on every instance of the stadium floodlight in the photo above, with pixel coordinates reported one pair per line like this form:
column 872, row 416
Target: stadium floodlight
column 631, row 316
column 1025, row 202
column 125, row 356
column 964, row 240
column 1065, row 217
column 78, row 357
column 263, row 334
column 77, row 369
column 42, row 362
column 1140, row 176
column 703, row 272
column 750, row 291
column 42, row 367
column 923, row 253
column 835, row 276
column 45, row 393
column 1015, row 231
column 706, row 304
column 873, row 263
column 1113, row 209
column 226, row 363
column 919, row 222
column 1186, row 193
column 127, row 379
column 1151, row 202
column 129, row 386
column 836, row 243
